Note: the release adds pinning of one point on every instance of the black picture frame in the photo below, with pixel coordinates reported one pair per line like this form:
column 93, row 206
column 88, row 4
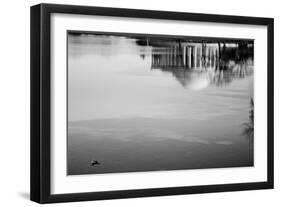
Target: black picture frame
column 40, row 184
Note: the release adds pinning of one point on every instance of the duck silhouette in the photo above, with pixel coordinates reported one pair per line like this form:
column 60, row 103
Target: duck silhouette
column 94, row 162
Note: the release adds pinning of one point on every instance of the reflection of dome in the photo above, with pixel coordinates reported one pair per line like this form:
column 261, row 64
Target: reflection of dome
column 193, row 81
column 198, row 83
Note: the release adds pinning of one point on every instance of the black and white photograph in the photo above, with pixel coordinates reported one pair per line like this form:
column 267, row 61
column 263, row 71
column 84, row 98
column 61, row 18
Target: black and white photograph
column 140, row 102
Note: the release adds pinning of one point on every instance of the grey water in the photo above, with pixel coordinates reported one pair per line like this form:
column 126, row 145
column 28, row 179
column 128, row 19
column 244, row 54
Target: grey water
column 138, row 105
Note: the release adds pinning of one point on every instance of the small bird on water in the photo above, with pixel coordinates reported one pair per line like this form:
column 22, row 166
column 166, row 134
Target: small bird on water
column 94, row 162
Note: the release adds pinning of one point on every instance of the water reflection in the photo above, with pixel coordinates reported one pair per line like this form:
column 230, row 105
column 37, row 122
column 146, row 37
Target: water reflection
column 212, row 62
column 140, row 103
column 207, row 63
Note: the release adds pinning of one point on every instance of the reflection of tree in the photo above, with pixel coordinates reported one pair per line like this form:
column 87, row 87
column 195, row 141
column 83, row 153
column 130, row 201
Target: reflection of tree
column 249, row 126
column 222, row 78
column 233, row 70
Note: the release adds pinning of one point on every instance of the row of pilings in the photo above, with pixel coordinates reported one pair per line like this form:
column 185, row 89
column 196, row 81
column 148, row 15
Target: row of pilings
column 187, row 55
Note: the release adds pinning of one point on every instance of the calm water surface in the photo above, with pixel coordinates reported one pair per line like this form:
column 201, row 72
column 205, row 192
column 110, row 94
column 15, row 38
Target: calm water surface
column 131, row 116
